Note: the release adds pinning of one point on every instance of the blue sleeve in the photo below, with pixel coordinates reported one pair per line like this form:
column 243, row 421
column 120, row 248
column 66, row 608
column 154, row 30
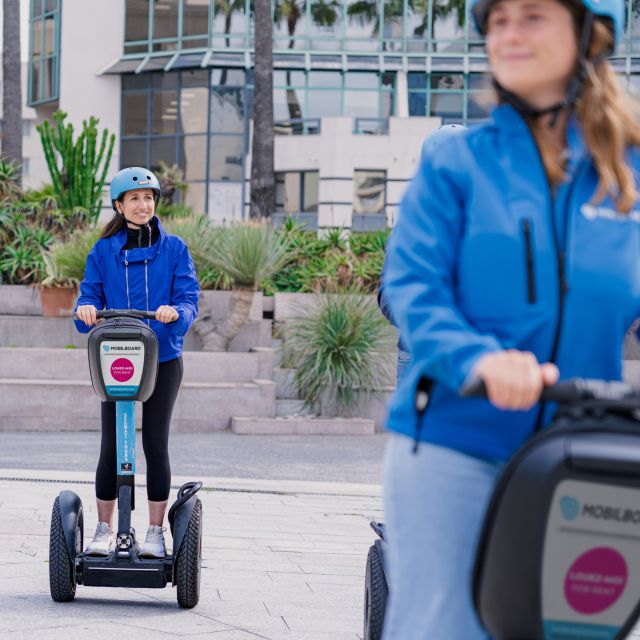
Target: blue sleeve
column 91, row 287
column 419, row 274
column 383, row 303
column 185, row 291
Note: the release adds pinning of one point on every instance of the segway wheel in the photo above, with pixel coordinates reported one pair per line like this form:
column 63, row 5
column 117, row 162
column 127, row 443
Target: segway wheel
column 189, row 560
column 375, row 595
column 62, row 575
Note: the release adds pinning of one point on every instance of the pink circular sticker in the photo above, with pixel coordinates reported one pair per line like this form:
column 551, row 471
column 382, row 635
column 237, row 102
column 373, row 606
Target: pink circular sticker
column 595, row 580
column 122, row 369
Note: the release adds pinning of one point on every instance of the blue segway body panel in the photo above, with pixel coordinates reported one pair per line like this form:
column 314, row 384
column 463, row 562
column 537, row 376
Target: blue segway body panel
column 559, row 553
column 123, row 359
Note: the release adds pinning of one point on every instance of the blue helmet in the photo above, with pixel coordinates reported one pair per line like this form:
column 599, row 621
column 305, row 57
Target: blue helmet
column 442, row 133
column 614, row 10
column 133, row 178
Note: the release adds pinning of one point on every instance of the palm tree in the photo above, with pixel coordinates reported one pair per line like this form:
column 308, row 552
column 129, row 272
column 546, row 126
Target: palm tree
column 12, row 87
column 227, row 8
column 263, row 184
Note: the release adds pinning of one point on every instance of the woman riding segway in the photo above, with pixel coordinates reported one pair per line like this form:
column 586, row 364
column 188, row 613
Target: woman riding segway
column 136, row 264
column 515, row 260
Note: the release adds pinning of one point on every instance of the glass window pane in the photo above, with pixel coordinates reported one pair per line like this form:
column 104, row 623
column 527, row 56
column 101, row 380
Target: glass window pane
column 229, row 20
column 195, row 17
column 195, row 78
column 417, row 80
column 48, row 78
column 418, row 24
column 195, row 196
column 310, row 190
column 133, row 81
column 363, row 24
column 479, row 81
column 324, row 104
column 49, row 35
column 287, row 104
column 290, row 25
column 133, row 153
column 417, row 104
column 448, row 106
column 325, row 27
column 369, row 191
column 361, row 104
column 37, row 38
column 355, row 80
column 290, row 191
column 136, row 20
column 164, row 111
column 162, row 149
column 35, row 81
column 634, row 29
column 393, row 18
column 51, row 5
column 325, row 79
column 227, row 110
column 448, row 25
column 288, row 79
column 163, row 80
column 451, row 81
column 194, row 157
column 227, row 77
column 37, row 7
column 193, row 109
column 165, row 19
column 134, row 112
column 226, row 158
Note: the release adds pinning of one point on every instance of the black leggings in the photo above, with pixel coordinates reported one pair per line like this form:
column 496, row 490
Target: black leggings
column 156, row 419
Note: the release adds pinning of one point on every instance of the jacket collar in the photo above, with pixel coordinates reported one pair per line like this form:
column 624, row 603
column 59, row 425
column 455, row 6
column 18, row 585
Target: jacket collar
column 509, row 122
column 119, row 240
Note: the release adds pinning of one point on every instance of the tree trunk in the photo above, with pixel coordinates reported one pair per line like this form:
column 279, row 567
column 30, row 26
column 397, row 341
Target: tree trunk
column 11, row 85
column 216, row 335
column 262, row 172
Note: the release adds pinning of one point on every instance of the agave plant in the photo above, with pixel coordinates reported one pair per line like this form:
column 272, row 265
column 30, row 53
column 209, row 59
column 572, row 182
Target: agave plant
column 9, row 180
column 65, row 262
column 335, row 347
column 247, row 254
column 21, row 259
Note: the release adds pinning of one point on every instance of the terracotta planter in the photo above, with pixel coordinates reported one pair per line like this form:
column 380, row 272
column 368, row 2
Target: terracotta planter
column 58, row 301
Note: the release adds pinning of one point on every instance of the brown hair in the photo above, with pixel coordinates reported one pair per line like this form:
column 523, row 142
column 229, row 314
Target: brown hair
column 609, row 122
column 113, row 226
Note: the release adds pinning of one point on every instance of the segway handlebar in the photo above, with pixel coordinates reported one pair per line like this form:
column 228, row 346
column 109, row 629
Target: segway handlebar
column 572, row 390
column 126, row 313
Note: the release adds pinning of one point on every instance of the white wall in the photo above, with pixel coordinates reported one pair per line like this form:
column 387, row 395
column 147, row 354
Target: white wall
column 337, row 152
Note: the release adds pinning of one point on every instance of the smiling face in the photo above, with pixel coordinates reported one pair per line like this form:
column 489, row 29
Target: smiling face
column 138, row 205
column 532, row 48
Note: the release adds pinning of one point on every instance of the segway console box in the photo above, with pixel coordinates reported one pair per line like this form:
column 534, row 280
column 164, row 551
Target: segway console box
column 123, row 362
column 559, row 554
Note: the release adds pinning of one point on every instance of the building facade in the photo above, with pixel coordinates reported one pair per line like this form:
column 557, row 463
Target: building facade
column 358, row 84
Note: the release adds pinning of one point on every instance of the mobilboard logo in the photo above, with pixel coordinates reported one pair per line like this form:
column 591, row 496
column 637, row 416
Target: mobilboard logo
column 570, row 508
column 122, row 348
column 106, row 348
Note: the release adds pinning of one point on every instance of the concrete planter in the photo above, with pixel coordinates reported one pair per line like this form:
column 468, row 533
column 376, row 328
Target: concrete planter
column 19, row 300
column 58, row 301
column 288, row 306
column 218, row 304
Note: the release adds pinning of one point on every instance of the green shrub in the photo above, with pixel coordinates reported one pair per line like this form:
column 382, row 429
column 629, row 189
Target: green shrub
column 65, row 262
column 334, row 346
column 21, row 260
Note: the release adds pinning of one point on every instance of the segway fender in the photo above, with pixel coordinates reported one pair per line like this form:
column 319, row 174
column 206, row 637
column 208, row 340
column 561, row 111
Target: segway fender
column 70, row 509
column 180, row 524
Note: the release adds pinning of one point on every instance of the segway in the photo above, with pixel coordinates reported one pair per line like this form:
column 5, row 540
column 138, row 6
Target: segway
column 123, row 362
column 559, row 552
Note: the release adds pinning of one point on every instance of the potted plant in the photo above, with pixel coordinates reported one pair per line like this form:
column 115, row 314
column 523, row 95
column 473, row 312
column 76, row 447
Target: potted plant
column 64, row 265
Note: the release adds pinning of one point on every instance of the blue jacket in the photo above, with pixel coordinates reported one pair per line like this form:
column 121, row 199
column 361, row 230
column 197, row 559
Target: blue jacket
column 485, row 257
column 171, row 280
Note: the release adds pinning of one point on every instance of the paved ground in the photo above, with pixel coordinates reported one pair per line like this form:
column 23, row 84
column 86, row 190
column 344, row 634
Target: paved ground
column 326, row 458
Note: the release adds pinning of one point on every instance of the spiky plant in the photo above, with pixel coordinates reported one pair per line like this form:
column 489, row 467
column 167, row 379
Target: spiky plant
column 65, row 262
column 334, row 348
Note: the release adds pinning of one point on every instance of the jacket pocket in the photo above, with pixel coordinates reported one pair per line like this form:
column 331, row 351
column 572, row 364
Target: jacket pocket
column 527, row 233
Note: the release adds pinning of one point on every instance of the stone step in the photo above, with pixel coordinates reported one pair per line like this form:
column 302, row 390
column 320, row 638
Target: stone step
column 286, row 407
column 38, row 331
column 72, row 364
column 302, row 425
column 66, row 405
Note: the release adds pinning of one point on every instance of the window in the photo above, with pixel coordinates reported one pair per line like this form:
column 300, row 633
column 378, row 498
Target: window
column 44, row 52
column 297, row 191
column 370, row 191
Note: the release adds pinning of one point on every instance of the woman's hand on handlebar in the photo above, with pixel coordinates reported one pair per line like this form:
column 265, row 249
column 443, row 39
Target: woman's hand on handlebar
column 514, row 379
column 166, row 314
column 87, row 313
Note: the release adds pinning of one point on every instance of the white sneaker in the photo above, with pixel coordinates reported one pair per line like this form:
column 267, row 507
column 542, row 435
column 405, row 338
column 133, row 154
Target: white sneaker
column 154, row 546
column 102, row 541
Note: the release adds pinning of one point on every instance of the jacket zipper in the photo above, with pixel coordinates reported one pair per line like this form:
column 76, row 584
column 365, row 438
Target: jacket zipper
column 528, row 246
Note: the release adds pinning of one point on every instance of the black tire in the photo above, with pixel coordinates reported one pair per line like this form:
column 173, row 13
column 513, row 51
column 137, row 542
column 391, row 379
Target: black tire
column 375, row 595
column 188, row 563
column 62, row 575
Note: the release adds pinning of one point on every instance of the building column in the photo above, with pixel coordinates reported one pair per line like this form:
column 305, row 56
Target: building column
column 402, row 95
